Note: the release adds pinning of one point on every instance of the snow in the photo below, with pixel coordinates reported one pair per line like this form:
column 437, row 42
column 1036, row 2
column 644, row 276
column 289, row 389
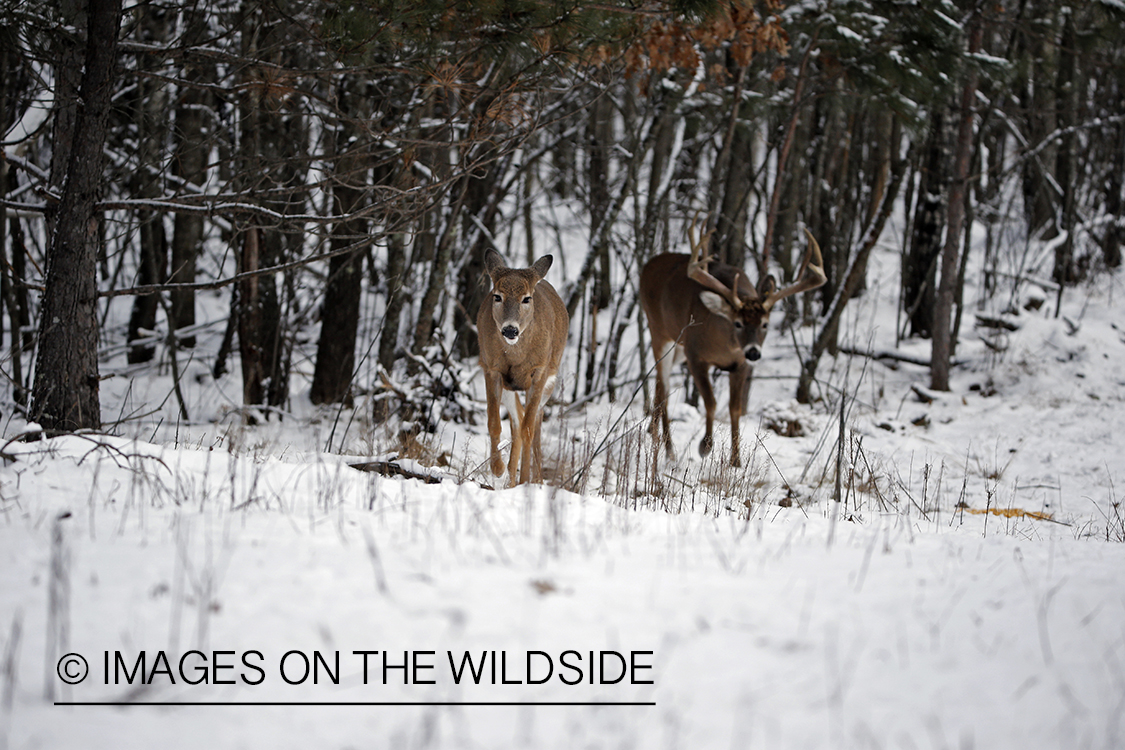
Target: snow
column 968, row 592
column 758, row 631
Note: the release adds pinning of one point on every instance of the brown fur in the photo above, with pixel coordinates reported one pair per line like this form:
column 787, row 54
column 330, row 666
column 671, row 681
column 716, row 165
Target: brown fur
column 523, row 303
column 708, row 313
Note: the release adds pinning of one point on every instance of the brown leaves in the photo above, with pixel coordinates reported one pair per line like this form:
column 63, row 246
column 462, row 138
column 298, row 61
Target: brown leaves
column 671, row 43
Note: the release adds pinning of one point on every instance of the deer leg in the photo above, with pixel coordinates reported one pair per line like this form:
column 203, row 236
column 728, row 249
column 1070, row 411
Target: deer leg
column 537, row 451
column 537, row 441
column 703, row 383
column 530, row 426
column 516, row 415
column 663, row 353
column 739, row 396
column 492, row 391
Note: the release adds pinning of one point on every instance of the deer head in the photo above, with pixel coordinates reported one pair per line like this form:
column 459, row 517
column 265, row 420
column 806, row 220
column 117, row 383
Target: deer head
column 513, row 294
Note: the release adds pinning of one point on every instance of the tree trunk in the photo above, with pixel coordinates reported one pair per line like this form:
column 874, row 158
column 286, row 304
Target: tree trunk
column 272, row 161
column 394, row 278
column 919, row 265
column 735, row 206
column 335, row 352
column 943, row 335
column 601, row 141
column 1064, row 271
column 439, row 271
column 1038, row 99
column 783, row 157
column 1111, row 242
column 150, row 108
column 15, row 300
column 66, row 372
column 189, row 162
column 668, row 136
column 482, row 200
column 249, row 319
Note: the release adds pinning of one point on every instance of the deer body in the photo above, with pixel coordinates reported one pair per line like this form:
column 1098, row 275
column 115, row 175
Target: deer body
column 709, row 314
column 522, row 328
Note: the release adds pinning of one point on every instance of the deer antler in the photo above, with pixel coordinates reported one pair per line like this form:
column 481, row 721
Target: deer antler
column 697, row 267
column 810, row 277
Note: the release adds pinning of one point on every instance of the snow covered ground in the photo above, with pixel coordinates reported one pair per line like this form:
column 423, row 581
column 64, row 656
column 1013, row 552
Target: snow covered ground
column 969, row 592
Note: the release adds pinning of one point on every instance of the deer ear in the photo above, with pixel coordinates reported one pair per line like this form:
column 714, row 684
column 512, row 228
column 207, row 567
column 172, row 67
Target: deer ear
column 767, row 286
column 493, row 262
column 717, row 305
column 543, row 265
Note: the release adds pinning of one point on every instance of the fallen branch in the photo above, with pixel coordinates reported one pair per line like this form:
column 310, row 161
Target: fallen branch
column 395, row 469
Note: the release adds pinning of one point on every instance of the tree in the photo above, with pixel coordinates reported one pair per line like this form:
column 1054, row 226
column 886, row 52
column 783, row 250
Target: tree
column 950, row 255
column 335, row 353
column 65, row 395
column 189, row 163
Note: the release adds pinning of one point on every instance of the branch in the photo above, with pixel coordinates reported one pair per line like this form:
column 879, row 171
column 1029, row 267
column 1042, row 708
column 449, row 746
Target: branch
column 220, row 283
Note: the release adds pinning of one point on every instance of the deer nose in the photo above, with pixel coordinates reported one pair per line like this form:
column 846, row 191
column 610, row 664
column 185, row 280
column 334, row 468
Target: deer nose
column 510, row 332
column 753, row 353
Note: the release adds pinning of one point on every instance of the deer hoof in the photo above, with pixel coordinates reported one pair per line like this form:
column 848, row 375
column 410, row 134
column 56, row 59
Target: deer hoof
column 705, row 446
column 497, row 465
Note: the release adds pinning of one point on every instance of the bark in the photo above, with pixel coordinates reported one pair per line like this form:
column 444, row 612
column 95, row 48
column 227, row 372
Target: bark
column 947, row 290
column 720, row 174
column 189, row 162
column 433, row 248
column 601, row 139
column 1111, row 242
column 783, row 156
column 668, row 135
column 249, row 320
column 482, row 200
column 731, row 224
column 919, row 271
column 68, row 80
column 272, row 161
column 150, row 118
column 335, row 352
column 1064, row 271
column 395, row 277
column 19, row 308
column 66, row 393
column 439, row 271
column 1040, row 119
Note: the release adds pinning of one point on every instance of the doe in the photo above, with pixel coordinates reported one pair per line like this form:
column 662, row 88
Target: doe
column 522, row 330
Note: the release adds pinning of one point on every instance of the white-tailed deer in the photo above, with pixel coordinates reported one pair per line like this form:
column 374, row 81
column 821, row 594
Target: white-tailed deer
column 522, row 328
column 708, row 313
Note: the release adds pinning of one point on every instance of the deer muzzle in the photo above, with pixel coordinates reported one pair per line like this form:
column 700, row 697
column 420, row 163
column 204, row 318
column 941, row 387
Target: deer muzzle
column 753, row 352
column 511, row 333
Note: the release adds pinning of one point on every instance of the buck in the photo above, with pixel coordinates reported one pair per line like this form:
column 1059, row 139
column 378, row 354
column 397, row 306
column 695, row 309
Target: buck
column 707, row 313
column 522, row 331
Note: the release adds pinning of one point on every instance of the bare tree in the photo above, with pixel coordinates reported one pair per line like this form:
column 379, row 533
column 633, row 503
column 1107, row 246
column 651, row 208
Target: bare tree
column 66, row 370
column 947, row 289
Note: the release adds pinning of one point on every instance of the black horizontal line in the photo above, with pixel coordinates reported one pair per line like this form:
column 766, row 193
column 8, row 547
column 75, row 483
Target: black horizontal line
column 355, row 703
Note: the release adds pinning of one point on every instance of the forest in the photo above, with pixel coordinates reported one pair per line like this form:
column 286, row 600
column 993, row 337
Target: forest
column 247, row 406
column 325, row 178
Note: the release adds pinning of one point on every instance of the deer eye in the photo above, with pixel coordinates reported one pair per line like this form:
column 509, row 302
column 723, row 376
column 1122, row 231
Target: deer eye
column 527, row 300
column 738, row 324
column 497, row 298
